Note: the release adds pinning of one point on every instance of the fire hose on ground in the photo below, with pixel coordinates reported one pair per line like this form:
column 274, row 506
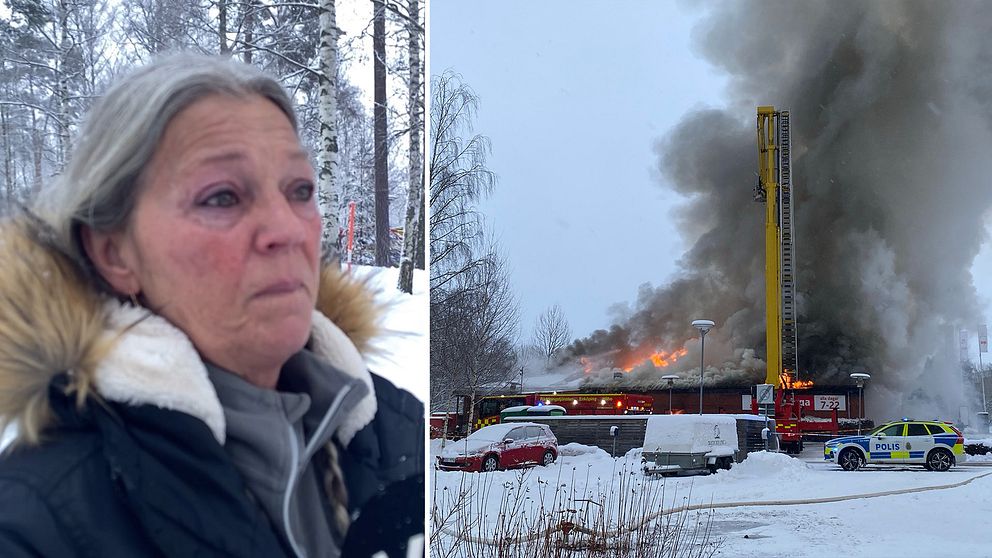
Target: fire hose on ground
column 567, row 527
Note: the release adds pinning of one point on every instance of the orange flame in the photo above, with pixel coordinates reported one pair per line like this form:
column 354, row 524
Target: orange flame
column 660, row 359
column 788, row 382
column 586, row 364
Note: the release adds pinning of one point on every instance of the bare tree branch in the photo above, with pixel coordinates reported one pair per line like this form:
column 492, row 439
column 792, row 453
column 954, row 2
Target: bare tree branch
column 551, row 332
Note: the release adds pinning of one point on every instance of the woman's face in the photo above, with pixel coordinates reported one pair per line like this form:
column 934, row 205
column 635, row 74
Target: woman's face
column 224, row 238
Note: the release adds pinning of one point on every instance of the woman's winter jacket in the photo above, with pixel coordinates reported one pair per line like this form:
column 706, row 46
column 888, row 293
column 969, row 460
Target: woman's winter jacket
column 121, row 448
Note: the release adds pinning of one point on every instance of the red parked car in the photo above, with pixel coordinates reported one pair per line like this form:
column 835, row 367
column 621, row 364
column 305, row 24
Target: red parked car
column 501, row 446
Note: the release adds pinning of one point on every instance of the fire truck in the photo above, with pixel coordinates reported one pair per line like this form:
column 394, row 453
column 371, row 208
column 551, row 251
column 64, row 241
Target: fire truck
column 774, row 190
column 487, row 408
column 791, row 410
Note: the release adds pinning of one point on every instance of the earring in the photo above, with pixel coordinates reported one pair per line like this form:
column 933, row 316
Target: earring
column 134, row 300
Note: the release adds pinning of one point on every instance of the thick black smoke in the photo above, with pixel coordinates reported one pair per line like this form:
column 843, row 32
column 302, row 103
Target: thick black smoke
column 891, row 105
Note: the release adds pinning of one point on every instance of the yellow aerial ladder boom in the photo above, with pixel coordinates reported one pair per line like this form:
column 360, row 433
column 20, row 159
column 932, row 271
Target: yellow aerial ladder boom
column 775, row 191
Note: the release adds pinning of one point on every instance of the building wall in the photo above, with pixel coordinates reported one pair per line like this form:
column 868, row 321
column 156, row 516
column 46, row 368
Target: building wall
column 728, row 400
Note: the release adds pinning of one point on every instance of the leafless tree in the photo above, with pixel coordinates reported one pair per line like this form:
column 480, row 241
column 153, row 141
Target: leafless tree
column 551, row 332
column 473, row 311
column 473, row 332
column 155, row 26
column 459, row 179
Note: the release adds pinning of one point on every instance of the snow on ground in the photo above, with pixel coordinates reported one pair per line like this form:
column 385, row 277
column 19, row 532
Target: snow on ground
column 949, row 522
column 931, row 523
column 403, row 356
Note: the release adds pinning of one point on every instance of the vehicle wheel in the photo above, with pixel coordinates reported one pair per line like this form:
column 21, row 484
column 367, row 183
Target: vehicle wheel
column 490, row 463
column 548, row 459
column 939, row 460
column 727, row 463
column 850, row 459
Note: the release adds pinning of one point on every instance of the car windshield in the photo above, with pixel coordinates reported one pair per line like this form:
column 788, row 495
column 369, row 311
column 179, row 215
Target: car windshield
column 494, row 433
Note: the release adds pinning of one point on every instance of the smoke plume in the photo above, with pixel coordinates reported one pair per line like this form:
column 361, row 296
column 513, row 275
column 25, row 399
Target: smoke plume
column 891, row 104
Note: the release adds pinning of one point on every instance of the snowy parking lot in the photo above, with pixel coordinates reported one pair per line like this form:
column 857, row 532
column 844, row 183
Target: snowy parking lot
column 940, row 522
column 768, row 505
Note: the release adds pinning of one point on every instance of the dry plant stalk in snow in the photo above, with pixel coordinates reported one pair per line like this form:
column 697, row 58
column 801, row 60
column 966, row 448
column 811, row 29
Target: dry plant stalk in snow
column 626, row 517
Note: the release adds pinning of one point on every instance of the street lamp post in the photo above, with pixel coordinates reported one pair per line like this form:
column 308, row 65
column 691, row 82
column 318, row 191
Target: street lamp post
column 985, row 405
column 861, row 378
column 703, row 326
column 671, row 378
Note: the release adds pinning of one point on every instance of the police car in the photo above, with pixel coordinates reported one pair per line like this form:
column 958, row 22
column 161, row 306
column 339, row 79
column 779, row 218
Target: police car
column 931, row 443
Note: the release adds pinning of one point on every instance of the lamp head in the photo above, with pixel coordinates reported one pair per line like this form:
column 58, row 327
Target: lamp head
column 702, row 325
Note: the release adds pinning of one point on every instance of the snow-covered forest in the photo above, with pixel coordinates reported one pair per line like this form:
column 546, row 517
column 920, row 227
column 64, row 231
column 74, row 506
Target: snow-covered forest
column 353, row 67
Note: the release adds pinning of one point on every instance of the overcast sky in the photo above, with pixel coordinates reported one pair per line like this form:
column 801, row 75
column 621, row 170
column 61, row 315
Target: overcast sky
column 573, row 99
column 574, row 95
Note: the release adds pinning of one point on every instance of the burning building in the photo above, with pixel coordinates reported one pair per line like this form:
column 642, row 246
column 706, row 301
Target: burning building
column 890, row 106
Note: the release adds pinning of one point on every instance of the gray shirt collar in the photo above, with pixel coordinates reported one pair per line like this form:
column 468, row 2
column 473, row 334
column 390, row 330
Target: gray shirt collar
column 266, row 428
column 306, row 389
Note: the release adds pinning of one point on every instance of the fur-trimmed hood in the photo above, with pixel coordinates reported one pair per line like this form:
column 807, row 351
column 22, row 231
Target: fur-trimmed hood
column 52, row 321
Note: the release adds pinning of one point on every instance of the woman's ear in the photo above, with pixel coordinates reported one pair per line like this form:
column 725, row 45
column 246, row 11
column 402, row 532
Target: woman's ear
column 106, row 251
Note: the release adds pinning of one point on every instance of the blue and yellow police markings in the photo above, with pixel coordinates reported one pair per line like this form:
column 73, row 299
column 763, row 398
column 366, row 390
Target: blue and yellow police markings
column 833, row 447
column 905, row 441
column 952, row 441
column 894, row 450
column 887, row 450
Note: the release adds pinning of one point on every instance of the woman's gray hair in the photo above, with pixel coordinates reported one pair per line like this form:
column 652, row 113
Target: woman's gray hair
column 122, row 131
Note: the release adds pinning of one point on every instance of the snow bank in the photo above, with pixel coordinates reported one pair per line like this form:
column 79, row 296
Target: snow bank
column 573, row 449
column 435, row 446
column 769, row 465
column 401, row 355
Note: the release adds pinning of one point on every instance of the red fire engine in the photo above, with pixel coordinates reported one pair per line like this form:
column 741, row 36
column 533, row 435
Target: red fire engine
column 487, row 409
column 789, row 414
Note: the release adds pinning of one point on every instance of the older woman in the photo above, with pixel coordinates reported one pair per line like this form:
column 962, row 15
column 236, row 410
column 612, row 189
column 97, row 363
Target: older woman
column 185, row 378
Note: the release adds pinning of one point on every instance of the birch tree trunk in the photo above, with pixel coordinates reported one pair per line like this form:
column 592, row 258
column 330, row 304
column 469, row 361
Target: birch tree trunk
column 327, row 173
column 421, row 260
column 381, row 147
column 415, row 195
